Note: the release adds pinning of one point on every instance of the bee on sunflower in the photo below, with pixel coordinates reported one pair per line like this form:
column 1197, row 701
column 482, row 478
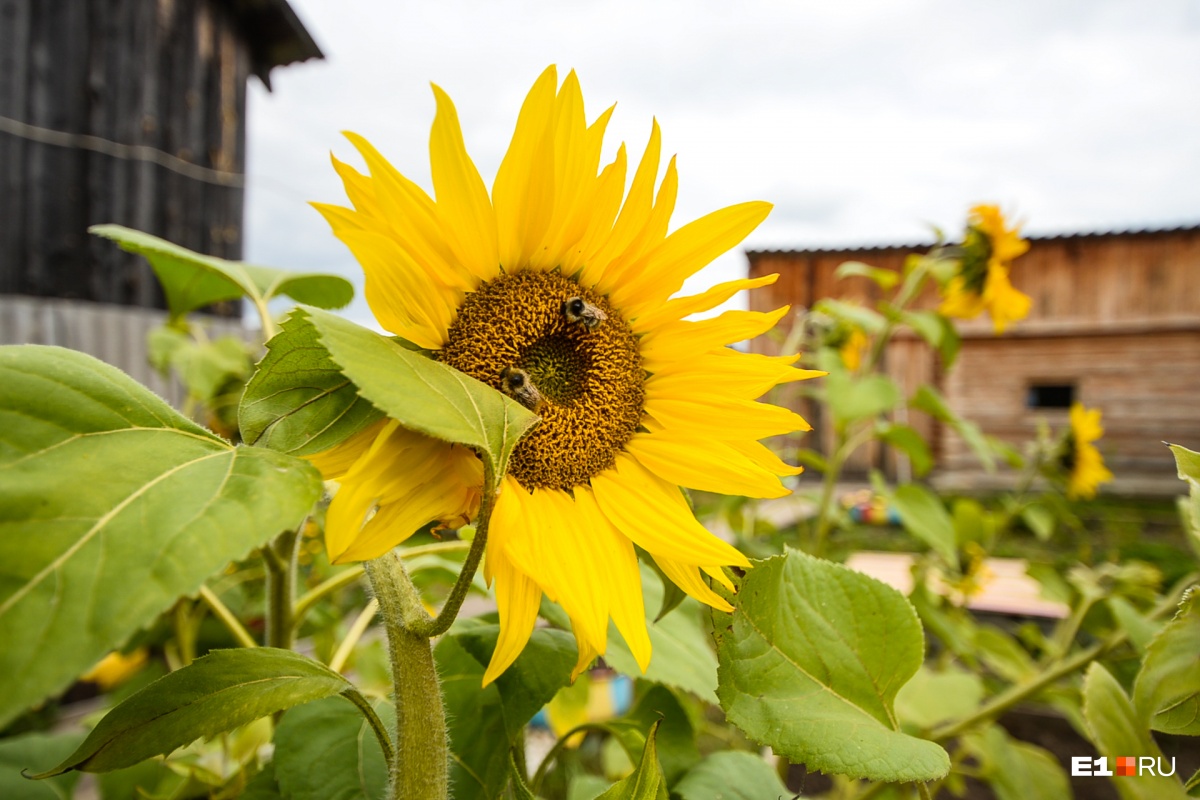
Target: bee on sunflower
column 557, row 288
column 1080, row 460
column 981, row 282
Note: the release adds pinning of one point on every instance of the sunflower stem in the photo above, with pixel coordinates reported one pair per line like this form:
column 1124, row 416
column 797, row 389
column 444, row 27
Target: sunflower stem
column 435, row 627
column 420, row 767
column 280, row 559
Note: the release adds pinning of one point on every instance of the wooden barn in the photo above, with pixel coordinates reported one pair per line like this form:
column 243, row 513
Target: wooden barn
column 1115, row 324
column 131, row 112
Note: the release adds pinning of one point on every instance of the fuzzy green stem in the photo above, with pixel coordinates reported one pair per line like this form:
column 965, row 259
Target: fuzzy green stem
column 280, row 559
column 351, row 575
column 420, row 768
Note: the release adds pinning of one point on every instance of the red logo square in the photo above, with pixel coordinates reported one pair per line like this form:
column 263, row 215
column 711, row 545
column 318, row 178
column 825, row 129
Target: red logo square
column 1126, row 765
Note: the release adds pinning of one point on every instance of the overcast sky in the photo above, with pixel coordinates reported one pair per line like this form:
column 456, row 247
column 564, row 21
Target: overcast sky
column 862, row 122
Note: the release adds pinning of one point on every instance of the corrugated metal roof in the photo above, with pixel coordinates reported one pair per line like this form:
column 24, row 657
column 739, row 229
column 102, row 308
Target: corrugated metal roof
column 1033, row 237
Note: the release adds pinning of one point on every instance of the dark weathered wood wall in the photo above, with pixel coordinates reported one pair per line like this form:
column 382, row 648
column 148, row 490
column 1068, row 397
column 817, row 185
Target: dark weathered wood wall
column 1116, row 315
column 169, row 74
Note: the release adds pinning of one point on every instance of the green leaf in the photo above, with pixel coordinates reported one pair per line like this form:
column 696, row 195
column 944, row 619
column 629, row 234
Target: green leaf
column 931, row 698
column 1140, row 629
column 517, row 780
column 191, row 280
column 938, row 331
column 484, row 723
column 1003, row 654
column 1117, row 730
column 298, row 401
column 1167, row 691
column 646, row 782
column 263, row 786
column 676, row 740
column 683, row 655
column 906, row 439
column 851, row 399
column 113, row 505
column 218, row 692
column 928, row 400
column 1039, row 519
column 870, row 321
column 731, row 775
column 1187, row 462
column 326, row 750
column 972, row 523
column 884, row 278
column 926, row 518
column 811, row 660
column 422, row 394
column 1017, row 770
column 30, row 751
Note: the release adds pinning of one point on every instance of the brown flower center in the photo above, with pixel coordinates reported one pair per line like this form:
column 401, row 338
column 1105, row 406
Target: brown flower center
column 525, row 329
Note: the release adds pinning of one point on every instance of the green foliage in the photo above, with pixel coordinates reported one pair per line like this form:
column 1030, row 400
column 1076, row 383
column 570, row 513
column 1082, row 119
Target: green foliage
column 219, row 692
column 112, row 505
column 325, row 750
column 810, row 664
column 928, row 400
column 298, row 401
column 933, row 697
column 853, row 399
column 731, row 775
column 683, row 656
column 905, row 439
column 33, row 751
column 422, row 394
column 1167, row 692
column 646, row 782
column 1017, row 770
column 1116, row 730
column 870, row 321
column 676, row 739
column 192, row 281
column 883, row 278
column 485, row 723
column 925, row 517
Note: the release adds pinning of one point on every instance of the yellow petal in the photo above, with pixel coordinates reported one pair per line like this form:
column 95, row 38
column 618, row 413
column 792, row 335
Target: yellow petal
column 621, row 272
column 679, row 341
column 1004, row 303
column 517, row 601
column 587, row 654
column 335, row 462
column 463, row 206
column 558, row 551
column 655, row 516
column 412, row 218
column 620, row 568
column 401, row 295
column 606, row 202
column 680, row 307
column 663, row 270
column 725, row 419
column 703, row 464
column 687, row 577
column 725, row 372
column 523, row 192
column 402, row 482
column 359, row 188
column 763, row 456
column 634, row 212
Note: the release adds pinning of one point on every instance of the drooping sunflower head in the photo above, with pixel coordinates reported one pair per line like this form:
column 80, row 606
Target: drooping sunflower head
column 982, row 283
column 1081, row 461
column 557, row 289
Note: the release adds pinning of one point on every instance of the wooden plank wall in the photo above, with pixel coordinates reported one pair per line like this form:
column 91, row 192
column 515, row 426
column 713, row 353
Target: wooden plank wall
column 170, row 75
column 112, row 334
column 1116, row 315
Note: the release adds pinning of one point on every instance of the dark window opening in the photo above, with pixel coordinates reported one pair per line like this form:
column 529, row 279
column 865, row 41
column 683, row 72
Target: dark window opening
column 1058, row 395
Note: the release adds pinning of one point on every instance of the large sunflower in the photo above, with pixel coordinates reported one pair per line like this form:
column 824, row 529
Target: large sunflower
column 989, row 247
column 557, row 289
column 1081, row 460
